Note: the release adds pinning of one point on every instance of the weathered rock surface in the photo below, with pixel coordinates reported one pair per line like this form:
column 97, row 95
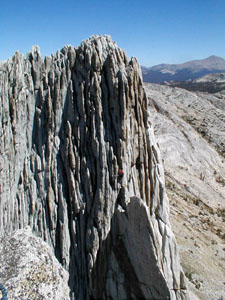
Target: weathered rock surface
column 203, row 111
column 29, row 269
column 193, row 155
column 80, row 166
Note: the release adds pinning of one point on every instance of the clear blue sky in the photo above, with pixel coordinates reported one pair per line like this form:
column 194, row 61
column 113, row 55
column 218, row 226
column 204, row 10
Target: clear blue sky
column 159, row 31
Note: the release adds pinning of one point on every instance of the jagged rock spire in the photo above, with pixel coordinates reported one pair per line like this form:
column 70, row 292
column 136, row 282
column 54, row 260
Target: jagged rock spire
column 69, row 124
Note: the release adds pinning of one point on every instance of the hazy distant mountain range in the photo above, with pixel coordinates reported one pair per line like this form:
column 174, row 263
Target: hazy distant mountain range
column 210, row 83
column 181, row 72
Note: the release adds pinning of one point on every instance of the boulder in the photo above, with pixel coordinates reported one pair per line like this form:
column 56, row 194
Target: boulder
column 30, row 270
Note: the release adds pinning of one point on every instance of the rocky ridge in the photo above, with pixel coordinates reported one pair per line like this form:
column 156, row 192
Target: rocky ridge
column 81, row 167
column 189, row 128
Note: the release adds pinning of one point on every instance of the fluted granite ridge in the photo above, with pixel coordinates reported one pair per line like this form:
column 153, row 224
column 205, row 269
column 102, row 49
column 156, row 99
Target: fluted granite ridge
column 69, row 126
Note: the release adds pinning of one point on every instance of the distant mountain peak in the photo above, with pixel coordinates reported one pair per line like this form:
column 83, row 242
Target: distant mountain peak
column 213, row 57
column 181, row 72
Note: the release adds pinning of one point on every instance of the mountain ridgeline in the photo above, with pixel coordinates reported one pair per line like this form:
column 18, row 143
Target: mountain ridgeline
column 80, row 165
column 187, row 71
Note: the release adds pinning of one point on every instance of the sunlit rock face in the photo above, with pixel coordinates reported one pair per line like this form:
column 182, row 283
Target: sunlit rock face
column 29, row 269
column 189, row 127
column 80, row 165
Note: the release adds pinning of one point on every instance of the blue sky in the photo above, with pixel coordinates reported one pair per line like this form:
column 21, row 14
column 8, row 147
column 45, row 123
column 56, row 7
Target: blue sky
column 159, row 31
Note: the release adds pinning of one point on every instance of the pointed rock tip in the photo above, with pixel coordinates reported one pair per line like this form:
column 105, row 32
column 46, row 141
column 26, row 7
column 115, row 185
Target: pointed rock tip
column 17, row 53
column 35, row 51
column 98, row 37
column 34, row 54
column 105, row 47
column 98, row 40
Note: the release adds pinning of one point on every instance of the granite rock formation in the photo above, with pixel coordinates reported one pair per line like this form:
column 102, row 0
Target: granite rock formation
column 80, row 165
column 29, row 269
column 189, row 127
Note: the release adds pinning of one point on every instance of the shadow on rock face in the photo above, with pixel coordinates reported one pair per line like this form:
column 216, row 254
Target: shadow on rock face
column 126, row 260
column 29, row 269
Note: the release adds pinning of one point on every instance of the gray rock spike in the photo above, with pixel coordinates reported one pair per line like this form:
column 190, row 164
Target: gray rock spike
column 68, row 126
